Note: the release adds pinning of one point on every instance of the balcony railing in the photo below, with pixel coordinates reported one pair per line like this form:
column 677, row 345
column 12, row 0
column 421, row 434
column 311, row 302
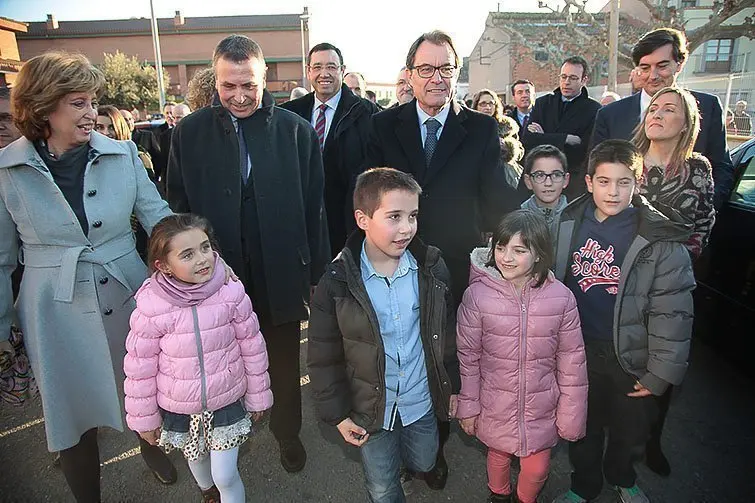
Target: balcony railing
column 721, row 63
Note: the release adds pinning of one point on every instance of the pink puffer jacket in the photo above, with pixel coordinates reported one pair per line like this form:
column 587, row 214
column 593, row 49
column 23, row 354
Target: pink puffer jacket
column 522, row 362
column 163, row 367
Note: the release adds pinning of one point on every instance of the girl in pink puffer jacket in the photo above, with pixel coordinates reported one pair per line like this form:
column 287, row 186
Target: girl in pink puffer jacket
column 196, row 368
column 521, row 356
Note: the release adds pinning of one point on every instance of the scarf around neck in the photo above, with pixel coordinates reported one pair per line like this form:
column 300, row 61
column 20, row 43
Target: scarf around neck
column 182, row 294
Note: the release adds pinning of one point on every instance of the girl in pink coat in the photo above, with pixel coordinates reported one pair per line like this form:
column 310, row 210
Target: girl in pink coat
column 196, row 368
column 521, row 357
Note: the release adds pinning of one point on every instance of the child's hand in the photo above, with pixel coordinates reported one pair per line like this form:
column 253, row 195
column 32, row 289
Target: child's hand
column 229, row 274
column 257, row 416
column 640, row 391
column 352, row 432
column 452, row 406
column 469, row 425
column 151, row 437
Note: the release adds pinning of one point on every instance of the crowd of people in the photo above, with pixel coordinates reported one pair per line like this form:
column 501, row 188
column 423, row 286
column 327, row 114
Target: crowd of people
column 524, row 271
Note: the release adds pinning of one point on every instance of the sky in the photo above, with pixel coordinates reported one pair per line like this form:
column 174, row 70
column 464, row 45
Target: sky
column 373, row 35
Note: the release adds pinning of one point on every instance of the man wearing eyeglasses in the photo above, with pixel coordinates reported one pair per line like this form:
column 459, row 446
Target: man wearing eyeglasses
column 659, row 57
column 453, row 153
column 341, row 120
column 565, row 118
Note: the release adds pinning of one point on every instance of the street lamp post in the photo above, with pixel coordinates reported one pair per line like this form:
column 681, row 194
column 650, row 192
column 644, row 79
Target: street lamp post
column 303, row 18
column 158, row 57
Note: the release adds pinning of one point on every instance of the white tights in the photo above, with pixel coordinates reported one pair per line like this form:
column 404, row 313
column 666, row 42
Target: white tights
column 220, row 469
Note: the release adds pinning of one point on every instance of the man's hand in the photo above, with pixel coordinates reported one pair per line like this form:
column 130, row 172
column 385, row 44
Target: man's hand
column 640, row 391
column 453, row 404
column 469, row 425
column 534, row 127
column 572, row 139
column 352, row 432
column 151, row 437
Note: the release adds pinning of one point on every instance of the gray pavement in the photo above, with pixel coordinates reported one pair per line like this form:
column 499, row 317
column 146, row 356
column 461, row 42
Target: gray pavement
column 709, row 440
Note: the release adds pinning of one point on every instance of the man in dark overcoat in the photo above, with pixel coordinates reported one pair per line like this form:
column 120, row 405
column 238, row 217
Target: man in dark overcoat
column 255, row 171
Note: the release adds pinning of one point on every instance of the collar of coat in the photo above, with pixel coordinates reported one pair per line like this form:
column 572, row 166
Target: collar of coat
column 266, row 108
column 657, row 222
column 426, row 256
column 409, row 112
column 582, row 96
column 22, row 151
column 304, row 105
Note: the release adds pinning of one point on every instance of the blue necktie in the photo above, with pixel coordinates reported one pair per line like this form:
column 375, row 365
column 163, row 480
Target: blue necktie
column 431, row 141
column 243, row 153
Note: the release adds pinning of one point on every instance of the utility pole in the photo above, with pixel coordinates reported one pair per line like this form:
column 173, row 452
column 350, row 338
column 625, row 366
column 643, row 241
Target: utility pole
column 613, row 46
column 303, row 23
column 158, row 57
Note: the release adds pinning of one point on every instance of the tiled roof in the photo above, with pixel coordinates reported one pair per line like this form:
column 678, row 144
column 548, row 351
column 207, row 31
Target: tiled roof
column 165, row 25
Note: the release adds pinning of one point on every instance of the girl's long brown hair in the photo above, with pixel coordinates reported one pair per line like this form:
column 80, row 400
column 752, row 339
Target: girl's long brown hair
column 168, row 228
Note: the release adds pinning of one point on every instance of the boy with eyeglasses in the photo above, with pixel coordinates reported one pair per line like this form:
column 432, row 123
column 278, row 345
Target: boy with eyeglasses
column 546, row 176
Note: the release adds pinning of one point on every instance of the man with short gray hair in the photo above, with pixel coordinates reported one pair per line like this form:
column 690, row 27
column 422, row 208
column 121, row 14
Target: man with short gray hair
column 255, row 172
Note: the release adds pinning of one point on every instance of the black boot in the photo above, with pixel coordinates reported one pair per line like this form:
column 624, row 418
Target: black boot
column 437, row 477
column 500, row 498
column 293, row 455
column 157, row 461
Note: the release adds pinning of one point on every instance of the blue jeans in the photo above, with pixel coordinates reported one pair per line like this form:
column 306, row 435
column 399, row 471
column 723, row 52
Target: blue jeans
column 416, row 445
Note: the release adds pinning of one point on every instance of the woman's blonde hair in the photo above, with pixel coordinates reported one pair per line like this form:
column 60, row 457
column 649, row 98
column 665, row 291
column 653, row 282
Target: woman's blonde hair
column 43, row 81
column 498, row 108
column 120, row 126
column 686, row 142
column 201, row 89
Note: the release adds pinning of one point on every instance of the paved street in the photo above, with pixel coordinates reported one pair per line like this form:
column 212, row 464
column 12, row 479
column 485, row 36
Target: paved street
column 709, row 440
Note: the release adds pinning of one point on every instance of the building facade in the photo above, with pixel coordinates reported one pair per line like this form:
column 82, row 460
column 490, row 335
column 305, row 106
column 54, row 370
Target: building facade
column 10, row 58
column 186, row 43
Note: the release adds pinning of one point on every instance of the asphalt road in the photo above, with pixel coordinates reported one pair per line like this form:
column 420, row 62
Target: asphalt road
column 709, row 440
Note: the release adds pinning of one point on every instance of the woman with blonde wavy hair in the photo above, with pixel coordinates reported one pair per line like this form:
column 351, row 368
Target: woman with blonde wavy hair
column 66, row 197
column 512, row 151
column 674, row 175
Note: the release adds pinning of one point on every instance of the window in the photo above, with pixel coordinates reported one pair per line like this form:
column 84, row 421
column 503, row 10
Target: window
column 744, row 192
column 688, row 3
column 541, row 55
column 718, row 55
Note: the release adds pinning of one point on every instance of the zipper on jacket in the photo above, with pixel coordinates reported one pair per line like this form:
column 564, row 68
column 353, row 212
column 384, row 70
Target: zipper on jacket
column 200, row 355
column 522, row 370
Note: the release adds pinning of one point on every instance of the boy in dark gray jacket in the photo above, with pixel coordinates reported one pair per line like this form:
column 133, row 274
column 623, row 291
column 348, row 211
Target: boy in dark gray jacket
column 627, row 266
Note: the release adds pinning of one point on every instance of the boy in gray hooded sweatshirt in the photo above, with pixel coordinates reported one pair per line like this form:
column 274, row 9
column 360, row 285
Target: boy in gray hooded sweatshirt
column 545, row 174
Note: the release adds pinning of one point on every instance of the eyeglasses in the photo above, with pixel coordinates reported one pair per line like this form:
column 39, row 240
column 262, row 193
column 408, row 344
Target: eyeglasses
column 427, row 71
column 540, row 176
column 486, row 104
column 331, row 67
column 570, row 78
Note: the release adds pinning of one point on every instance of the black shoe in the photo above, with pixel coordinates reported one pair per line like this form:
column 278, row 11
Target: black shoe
column 159, row 462
column 499, row 498
column 211, row 495
column 293, row 455
column 656, row 461
column 437, row 477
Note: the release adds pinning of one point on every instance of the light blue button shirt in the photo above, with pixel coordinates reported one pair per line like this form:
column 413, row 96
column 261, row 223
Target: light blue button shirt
column 396, row 303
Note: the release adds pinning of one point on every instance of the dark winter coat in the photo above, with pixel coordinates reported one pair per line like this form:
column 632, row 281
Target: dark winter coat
column 204, row 178
column 346, row 357
column 654, row 311
column 343, row 157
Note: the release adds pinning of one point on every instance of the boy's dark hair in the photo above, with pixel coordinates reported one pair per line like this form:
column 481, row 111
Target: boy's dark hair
column 535, row 236
column 520, row 81
column 658, row 38
column 324, row 46
column 168, row 228
column 616, row 151
column 373, row 183
column 543, row 151
column 578, row 60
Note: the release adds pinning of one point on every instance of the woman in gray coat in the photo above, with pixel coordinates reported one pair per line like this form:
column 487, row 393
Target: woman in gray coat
column 66, row 197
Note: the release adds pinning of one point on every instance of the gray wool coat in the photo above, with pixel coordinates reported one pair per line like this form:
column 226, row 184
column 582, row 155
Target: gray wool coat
column 77, row 290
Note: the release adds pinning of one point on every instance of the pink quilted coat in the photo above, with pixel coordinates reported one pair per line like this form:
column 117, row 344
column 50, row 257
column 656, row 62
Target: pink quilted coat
column 163, row 367
column 522, row 362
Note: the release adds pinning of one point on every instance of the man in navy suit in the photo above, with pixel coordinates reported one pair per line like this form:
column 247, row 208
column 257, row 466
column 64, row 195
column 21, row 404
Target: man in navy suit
column 659, row 57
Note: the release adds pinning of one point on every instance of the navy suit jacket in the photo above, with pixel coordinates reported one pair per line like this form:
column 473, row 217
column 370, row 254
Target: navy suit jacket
column 620, row 118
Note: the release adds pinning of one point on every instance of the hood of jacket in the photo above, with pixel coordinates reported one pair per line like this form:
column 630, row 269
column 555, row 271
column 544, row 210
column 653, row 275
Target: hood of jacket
column 479, row 271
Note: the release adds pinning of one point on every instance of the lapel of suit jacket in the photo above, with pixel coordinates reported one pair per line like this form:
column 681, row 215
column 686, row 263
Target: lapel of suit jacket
column 452, row 135
column 632, row 118
column 410, row 138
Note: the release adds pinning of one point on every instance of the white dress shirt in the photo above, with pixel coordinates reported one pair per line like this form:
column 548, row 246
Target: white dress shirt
column 440, row 117
column 329, row 112
column 644, row 102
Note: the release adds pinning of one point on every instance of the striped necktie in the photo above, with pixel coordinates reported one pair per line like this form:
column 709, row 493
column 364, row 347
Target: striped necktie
column 320, row 125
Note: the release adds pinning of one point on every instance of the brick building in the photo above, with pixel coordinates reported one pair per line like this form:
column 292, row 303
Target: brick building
column 186, row 43
column 10, row 59
column 532, row 45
